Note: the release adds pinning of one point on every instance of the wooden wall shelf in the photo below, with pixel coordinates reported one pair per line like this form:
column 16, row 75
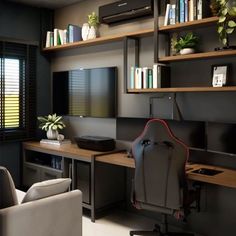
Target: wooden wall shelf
column 184, row 89
column 100, row 40
column 190, row 24
column 195, row 56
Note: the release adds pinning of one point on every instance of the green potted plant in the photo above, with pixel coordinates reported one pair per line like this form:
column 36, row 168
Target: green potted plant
column 186, row 44
column 51, row 124
column 226, row 23
column 89, row 30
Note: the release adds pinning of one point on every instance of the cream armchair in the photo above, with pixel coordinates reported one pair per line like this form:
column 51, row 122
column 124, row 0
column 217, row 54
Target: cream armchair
column 58, row 215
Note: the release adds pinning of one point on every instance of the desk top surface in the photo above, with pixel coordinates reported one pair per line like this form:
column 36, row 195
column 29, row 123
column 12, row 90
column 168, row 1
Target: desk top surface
column 226, row 178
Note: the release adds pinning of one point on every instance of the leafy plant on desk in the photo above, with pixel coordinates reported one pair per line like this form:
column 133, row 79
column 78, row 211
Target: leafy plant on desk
column 52, row 122
column 187, row 41
column 226, row 23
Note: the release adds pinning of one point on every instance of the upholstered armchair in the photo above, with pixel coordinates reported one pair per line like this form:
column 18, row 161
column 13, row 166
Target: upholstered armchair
column 47, row 209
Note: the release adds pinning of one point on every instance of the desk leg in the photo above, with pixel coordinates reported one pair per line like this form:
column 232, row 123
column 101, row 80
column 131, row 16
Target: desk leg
column 93, row 189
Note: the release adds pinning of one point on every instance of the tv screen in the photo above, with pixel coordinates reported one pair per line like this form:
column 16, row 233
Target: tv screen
column 85, row 92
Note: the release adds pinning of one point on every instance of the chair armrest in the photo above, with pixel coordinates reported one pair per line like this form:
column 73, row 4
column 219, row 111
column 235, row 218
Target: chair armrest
column 57, row 215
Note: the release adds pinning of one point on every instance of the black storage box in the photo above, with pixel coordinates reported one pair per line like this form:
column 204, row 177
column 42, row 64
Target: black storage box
column 96, row 143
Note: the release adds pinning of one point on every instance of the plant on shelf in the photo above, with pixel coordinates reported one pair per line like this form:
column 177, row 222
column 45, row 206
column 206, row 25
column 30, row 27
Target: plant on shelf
column 51, row 124
column 186, row 44
column 226, row 23
column 89, row 30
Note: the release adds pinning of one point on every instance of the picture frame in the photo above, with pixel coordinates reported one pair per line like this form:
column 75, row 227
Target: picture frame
column 220, row 75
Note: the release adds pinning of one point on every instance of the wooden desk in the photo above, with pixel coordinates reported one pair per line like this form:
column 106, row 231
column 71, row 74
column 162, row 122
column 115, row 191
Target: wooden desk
column 227, row 178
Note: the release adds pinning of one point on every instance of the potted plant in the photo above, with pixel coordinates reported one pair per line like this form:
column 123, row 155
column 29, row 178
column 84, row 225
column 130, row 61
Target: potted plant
column 51, row 124
column 186, row 44
column 89, row 30
column 226, row 23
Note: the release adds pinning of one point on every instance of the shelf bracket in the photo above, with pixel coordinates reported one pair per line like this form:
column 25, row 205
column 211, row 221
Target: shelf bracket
column 176, row 113
column 125, row 57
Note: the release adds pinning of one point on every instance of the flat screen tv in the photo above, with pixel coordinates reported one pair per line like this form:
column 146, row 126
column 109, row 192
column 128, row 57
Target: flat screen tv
column 85, row 92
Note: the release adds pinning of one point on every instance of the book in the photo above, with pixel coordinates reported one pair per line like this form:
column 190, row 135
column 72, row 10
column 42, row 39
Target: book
column 167, row 14
column 48, row 40
column 154, row 85
column 172, row 15
column 132, row 72
column 186, row 11
column 177, row 11
column 181, row 11
column 55, row 142
column 138, row 78
column 74, row 33
column 203, row 9
column 56, row 37
column 191, row 10
column 150, row 78
column 145, row 77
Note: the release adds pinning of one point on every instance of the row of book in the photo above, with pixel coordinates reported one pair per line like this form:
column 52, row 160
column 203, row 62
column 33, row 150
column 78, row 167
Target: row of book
column 59, row 36
column 186, row 10
column 145, row 78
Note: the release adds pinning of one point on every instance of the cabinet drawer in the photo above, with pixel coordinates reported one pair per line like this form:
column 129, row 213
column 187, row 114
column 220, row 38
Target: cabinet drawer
column 47, row 174
column 31, row 174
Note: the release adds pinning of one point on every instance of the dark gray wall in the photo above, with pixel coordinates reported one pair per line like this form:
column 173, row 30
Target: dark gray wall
column 23, row 23
column 218, row 208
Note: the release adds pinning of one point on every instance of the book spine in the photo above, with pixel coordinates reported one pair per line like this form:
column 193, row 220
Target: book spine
column 48, row 39
column 159, row 76
column 150, row 78
column 194, row 9
column 138, row 78
column 186, row 17
column 51, row 39
column 181, row 11
column 155, row 76
column 177, row 11
column 65, row 38
column 167, row 14
column 145, row 77
column 199, row 10
column 191, row 11
column 173, row 15
column 55, row 33
column 132, row 72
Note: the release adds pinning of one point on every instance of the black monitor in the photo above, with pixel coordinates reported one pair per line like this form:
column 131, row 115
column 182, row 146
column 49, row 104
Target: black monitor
column 86, row 92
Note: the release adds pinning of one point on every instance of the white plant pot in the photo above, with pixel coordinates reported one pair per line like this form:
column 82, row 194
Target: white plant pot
column 85, row 31
column 92, row 33
column 52, row 134
column 186, row 51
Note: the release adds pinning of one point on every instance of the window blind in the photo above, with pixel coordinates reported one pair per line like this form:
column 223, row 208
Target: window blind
column 17, row 91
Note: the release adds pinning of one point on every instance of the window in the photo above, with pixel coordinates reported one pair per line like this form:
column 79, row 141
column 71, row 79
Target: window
column 17, row 91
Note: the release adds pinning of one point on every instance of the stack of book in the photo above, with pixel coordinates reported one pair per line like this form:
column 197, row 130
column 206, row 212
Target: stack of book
column 55, row 142
column 146, row 78
column 60, row 37
column 186, row 10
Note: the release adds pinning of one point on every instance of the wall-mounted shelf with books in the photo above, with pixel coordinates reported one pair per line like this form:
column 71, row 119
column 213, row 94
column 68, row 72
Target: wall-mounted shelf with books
column 184, row 89
column 195, row 56
column 100, row 40
column 190, row 24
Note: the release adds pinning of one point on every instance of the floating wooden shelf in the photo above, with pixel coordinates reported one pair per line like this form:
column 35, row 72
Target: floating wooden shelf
column 184, row 89
column 100, row 40
column 190, row 24
column 195, row 56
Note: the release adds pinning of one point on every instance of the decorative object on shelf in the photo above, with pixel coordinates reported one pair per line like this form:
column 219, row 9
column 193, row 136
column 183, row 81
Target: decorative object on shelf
column 51, row 124
column 226, row 23
column 186, row 44
column 89, row 30
column 215, row 7
column 220, row 74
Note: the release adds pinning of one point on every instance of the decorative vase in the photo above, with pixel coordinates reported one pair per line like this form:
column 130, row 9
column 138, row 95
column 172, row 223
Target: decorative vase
column 52, row 134
column 186, row 51
column 92, row 33
column 85, row 31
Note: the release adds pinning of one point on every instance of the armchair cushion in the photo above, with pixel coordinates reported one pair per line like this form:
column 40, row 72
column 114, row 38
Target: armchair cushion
column 47, row 188
column 8, row 196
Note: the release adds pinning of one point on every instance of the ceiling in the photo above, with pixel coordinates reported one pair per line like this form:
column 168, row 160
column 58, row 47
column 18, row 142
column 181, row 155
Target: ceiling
column 52, row 4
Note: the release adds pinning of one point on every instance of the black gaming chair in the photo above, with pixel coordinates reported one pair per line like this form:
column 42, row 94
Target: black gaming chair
column 160, row 181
